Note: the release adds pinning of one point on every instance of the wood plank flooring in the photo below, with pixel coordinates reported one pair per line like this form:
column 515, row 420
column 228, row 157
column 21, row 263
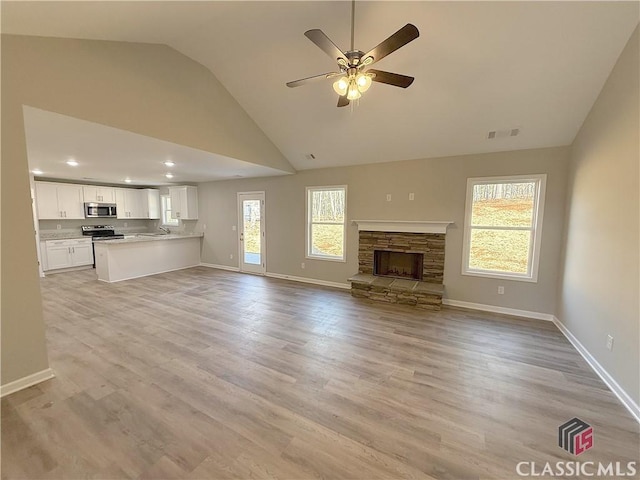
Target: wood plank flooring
column 207, row 374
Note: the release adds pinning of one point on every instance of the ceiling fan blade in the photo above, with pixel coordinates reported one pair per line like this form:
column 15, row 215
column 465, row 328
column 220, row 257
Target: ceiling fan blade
column 343, row 101
column 302, row 81
column 389, row 78
column 399, row 39
column 318, row 37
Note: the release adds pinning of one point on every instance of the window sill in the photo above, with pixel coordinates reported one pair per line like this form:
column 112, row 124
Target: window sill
column 501, row 276
column 328, row 259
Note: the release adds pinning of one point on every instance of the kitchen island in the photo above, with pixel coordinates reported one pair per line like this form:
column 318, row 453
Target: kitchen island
column 145, row 254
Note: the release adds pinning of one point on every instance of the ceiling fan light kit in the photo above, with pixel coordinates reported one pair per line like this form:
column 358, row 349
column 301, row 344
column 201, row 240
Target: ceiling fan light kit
column 353, row 80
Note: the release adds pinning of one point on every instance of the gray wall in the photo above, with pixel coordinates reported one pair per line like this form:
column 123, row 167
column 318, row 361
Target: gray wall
column 440, row 188
column 148, row 89
column 599, row 287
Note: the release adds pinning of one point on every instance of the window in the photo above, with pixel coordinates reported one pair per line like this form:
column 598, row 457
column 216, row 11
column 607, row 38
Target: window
column 326, row 207
column 165, row 203
column 503, row 226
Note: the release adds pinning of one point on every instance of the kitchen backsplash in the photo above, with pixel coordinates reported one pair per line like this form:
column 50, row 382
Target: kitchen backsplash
column 49, row 228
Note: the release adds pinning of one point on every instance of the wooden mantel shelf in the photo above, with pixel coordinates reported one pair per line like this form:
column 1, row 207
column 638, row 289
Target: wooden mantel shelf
column 401, row 226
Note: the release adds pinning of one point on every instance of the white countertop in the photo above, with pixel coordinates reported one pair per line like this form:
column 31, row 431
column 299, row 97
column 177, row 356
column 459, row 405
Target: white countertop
column 141, row 237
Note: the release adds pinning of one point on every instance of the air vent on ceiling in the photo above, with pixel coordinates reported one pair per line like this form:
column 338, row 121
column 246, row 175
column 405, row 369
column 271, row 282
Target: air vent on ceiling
column 509, row 132
column 310, row 156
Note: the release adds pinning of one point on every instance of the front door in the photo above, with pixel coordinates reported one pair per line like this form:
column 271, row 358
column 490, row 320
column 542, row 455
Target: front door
column 251, row 229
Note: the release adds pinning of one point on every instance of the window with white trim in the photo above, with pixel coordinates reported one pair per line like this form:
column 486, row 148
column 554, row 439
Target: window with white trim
column 326, row 217
column 165, row 205
column 503, row 227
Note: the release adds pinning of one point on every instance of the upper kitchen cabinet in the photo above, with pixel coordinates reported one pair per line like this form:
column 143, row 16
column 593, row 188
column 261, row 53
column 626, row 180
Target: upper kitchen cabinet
column 151, row 203
column 97, row 194
column 129, row 203
column 184, row 202
column 56, row 201
column 138, row 203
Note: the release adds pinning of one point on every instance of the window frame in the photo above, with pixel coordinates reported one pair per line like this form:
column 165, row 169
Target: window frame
column 163, row 211
column 533, row 262
column 310, row 223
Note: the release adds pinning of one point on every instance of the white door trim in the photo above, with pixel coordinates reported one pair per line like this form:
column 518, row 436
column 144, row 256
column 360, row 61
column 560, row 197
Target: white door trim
column 250, row 268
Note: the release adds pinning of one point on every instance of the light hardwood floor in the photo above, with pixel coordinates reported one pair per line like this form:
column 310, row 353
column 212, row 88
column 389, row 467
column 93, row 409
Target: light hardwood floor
column 207, row 374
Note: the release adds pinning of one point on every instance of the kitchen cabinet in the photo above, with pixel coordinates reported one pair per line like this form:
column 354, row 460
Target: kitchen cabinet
column 67, row 253
column 138, row 203
column 93, row 193
column 129, row 203
column 59, row 201
column 184, row 202
column 151, row 203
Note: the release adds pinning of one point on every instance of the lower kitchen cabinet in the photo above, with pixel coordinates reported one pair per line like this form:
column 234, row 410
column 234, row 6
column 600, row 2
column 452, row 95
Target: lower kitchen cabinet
column 59, row 254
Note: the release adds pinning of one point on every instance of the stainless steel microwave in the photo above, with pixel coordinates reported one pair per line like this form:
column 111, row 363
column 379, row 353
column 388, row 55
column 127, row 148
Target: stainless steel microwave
column 99, row 210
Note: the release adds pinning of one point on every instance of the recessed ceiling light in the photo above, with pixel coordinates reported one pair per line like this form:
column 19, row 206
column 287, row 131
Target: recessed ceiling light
column 169, row 175
column 128, row 180
column 37, row 171
column 72, row 163
column 169, row 163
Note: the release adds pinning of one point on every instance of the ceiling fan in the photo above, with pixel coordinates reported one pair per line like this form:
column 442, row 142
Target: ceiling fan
column 353, row 80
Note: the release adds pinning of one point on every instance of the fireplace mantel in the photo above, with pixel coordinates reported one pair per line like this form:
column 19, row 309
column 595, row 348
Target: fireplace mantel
column 401, row 226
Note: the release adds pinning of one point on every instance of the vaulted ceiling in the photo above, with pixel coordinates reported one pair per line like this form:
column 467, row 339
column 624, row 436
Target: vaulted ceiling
column 479, row 66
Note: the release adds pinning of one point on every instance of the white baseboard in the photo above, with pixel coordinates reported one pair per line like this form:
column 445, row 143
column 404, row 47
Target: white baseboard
column 220, row 267
column 609, row 381
column 496, row 309
column 26, row 382
column 314, row 281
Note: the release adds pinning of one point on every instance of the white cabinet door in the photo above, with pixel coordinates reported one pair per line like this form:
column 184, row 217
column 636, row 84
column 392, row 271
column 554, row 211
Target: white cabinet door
column 47, row 201
column 151, row 203
column 93, row 193
column 121, row 208
column 184, row 202
column 70, row 201
column 58, row 256
column 129, row 203
column 82, row 254
column 106, row 195
column 134, row 202
column 90, row 193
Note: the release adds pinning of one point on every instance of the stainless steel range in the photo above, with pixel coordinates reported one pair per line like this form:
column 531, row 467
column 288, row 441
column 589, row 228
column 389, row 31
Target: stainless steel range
column 99, row 232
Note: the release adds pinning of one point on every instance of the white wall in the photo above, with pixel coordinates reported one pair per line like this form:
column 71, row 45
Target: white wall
column 439, row 186
column 599, row 290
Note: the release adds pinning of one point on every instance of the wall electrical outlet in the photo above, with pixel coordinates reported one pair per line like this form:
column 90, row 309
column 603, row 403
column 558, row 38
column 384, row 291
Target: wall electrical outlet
column 411, row 196
column 126, row 224
column 388, row 197
column 500, row 290
column 302, row 265
column 233, row 227
column 58, row 226
column 204, row 226
column 231, row 256
column 609, row 342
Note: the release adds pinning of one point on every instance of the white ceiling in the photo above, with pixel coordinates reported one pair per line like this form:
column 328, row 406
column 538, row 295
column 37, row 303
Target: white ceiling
column 110, row 155
column 479, row 66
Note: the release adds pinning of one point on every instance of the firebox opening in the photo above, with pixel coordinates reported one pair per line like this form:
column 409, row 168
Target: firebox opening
column 397, row 264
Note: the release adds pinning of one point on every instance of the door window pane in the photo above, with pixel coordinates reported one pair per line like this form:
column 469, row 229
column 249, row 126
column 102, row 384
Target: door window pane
column 252, row 243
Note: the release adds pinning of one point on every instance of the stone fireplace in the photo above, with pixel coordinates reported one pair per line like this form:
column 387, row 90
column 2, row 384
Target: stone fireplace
column 401, row 262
